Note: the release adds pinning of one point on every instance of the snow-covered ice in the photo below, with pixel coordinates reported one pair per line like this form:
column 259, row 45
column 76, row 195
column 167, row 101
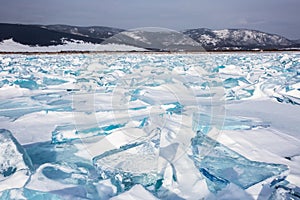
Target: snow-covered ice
column 154, row 126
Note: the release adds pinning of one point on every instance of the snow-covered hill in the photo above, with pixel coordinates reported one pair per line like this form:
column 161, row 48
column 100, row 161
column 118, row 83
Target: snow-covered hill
column 156, row 39
column 97, row 32
column 296, row 41
column 36, row 35
column 237, row 39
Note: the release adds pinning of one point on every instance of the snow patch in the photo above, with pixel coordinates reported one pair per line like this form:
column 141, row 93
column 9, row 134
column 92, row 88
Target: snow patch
column 12, row 46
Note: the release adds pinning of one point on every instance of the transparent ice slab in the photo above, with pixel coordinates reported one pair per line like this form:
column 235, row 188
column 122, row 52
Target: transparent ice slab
column 15, row 165
column 104, row 122
column 59, row 171
column 131, row 164
column 53, row 81
column 25, row 83
column 204, row 123
column 18, row 107
column 221, row 165
column 67, row 133
column 27, row 194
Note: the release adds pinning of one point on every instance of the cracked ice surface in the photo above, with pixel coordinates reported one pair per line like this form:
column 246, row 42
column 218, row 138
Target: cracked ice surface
column 125, row 126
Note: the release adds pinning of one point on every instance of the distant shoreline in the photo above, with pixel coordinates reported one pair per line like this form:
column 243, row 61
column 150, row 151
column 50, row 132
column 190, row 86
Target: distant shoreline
column 152, row 52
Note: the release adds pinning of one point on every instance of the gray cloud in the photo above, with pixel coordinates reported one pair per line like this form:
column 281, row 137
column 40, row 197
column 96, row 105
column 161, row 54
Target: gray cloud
column 275, row 16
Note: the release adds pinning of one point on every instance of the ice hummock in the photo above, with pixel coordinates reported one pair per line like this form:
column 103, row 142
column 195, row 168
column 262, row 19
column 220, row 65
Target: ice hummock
column 24, row 194
column 15, row 165
column 59, row 171
column 221, row 165
column 40, row 91
column 283, row 193
column 136, row 192
column 67, row 133
column 204, row 123
column 131, row 164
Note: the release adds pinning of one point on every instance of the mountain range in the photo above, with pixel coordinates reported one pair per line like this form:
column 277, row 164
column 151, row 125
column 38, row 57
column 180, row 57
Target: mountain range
column 150, row 39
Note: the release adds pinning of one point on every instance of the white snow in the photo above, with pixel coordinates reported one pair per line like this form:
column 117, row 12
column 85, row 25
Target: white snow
column 223, row 34
column 12, row 46
column 136, row 35
column 136, row 193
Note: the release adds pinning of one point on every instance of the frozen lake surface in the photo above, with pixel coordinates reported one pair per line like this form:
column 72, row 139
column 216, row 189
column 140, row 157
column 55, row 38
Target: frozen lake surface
column 150, row 126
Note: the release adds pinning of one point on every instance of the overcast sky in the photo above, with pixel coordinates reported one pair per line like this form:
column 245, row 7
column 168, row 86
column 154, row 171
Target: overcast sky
column 274, row 16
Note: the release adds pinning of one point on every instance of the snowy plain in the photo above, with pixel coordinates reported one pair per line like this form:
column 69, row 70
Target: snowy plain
column 11, row 46
column 154, row 126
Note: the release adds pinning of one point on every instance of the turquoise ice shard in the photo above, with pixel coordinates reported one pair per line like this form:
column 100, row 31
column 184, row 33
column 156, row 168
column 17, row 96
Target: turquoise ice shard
column 68, row 180
column 25, row 193
column 67, row 133
column 29, row 84
column 204, row 123
column 15, row 164
column 231, row 82
column 3, row 82
column 283, row 193
column 17, row 108
column 175, row 107
column 53, row 81
column 58, row 170
column 221, row 165
column 131, row 164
